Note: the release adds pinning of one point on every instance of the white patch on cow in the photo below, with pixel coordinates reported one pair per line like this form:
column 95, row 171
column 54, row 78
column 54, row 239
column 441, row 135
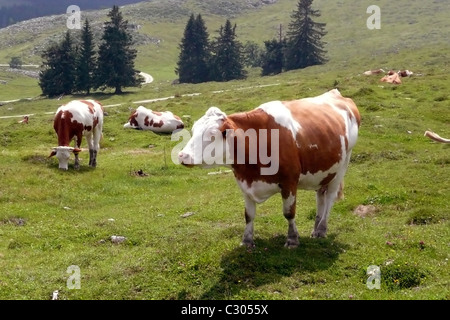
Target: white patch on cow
column 282, row 116
column 288, row 203
column 259, row 191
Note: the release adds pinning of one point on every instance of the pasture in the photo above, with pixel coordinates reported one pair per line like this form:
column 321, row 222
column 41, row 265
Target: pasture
column 183, row 226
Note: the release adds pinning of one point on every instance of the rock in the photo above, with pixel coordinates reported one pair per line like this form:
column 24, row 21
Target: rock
column 365, row 210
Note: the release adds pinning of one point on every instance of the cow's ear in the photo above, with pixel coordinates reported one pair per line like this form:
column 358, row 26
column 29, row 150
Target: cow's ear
column 224, row 128
column 52, row 154
column 76, row 150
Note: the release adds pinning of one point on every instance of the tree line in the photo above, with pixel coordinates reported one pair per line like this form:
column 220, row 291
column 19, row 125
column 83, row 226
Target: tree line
column 225, row 58
column 68, row 68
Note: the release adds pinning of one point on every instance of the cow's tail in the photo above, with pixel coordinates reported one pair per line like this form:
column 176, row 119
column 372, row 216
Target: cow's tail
column 436, row 137
column 340, row 194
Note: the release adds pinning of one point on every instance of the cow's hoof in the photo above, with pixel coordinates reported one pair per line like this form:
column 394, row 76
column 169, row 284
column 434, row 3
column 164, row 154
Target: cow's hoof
column 318, row 234
column 248, row 244
column 291, row 243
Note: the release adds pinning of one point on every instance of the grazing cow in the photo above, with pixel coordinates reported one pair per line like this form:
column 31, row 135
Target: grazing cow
column 72, row 121
column 310, row 142
column 434, row 136
column 160, row 122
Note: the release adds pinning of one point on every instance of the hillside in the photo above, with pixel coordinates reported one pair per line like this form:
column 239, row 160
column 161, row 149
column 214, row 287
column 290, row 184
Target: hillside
column 406, row 27
column 13, row 12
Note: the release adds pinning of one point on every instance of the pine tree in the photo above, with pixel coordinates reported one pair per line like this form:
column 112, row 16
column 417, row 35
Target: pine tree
column 194, row 52
column 273, row 57
column 86, row 61
column 116, row 55
column 58, row 75
column 227, row 55
column 304, row 46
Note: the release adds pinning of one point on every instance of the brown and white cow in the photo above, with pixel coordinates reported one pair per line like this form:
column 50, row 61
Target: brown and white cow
column 71, row 122
column 310, row 142
column 161, row 122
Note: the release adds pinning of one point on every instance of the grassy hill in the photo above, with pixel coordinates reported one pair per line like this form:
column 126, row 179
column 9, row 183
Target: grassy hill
column 50, row 220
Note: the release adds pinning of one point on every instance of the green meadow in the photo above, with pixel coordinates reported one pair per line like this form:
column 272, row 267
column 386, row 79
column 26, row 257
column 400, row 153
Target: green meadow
column 183, row 227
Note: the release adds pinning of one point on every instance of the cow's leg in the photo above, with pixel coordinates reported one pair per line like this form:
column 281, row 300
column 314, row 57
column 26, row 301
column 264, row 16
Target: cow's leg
column 78, row 138
column 92, row 153
column 289, row 203
column 95, row 147
column 77, row 161
column 250, row 212
column 325, row 198
column 93, row 158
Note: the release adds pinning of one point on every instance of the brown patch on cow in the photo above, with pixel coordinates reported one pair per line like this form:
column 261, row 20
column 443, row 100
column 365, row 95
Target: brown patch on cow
column 319, row 138
column 133, row 119
column 88, row 128
column 157, row 124
column 148, row 123
column 90, row 105
column 328, row 179
column 180, row 126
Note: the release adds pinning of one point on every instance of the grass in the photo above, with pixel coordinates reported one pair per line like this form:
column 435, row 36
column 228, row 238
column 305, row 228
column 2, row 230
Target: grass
column 51, row 220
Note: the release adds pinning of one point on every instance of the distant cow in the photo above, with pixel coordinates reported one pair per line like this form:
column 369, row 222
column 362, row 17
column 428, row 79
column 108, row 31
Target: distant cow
column 375, row 71
column 161, row 122
column 310, row 142
column 392, row 78
column 71, row 122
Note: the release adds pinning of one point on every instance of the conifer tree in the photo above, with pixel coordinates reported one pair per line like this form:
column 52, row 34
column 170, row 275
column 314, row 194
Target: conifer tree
column 227, row 55
column 194, row 52
column 272, row 61
column 304, row 47
column 115, row 68
column 58, row 74
column 86, row 61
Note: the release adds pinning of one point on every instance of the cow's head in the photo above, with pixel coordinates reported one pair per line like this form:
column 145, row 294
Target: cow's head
column 63, row 155
column 206, row 147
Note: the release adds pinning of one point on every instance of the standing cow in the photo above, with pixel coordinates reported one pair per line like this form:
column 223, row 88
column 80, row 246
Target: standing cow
column 160, row 122
column 310, row 142
column 72, row 121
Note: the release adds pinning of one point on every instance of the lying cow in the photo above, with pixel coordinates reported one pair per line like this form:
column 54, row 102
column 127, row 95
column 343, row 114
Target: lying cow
column 310, row 142
column 393, row 78
column 160, row 122
column 72, row 121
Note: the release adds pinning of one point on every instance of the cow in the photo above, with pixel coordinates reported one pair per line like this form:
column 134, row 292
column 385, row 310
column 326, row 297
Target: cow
column 160, row 122
column 310, row 142
column 393, row 78
column 405, row 73
column 375, row 71
column 71, row 122
column 434, row 136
